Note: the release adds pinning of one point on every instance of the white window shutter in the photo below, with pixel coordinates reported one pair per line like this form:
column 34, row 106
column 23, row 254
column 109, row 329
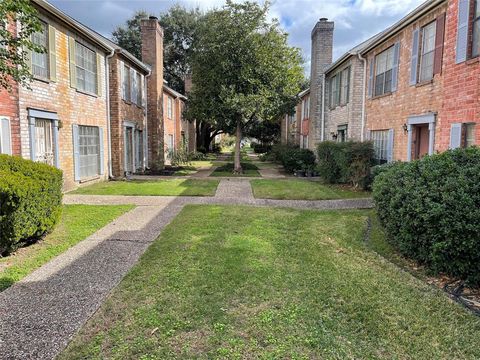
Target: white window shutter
column 390, row 145
column 133, row 79
column 456, row 136
column 122, row 79
column 396, row 60
column 414, row 58
column 76, row 152
column 462, row 30
column 102, row 153
column 144, row 92
column 5, row 140
column 370, row 80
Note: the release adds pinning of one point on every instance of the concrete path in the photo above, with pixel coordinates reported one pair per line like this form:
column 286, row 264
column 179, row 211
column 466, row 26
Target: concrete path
column 40, row 314
column 271, row 173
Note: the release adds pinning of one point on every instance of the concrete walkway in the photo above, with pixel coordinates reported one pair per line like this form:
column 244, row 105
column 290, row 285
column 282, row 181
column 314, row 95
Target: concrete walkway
column 40, row 314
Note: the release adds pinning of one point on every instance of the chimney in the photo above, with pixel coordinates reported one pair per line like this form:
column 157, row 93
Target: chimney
column 188, row 83
column 321, row 59
column 152, row 54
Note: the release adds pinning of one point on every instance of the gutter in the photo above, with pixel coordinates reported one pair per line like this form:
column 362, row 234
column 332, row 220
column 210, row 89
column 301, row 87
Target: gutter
column 107, row 97
column 364, row 84
column 145, row 145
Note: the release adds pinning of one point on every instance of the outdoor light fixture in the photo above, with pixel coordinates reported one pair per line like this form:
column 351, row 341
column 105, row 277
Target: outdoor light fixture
column 405, row 128
column 334, row 135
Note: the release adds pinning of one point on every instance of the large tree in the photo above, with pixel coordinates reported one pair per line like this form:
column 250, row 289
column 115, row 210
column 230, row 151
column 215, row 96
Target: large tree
column 243, row 70
column 15, row 46
column 129, row 35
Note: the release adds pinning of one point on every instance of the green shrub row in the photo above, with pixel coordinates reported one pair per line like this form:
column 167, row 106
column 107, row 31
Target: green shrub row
column 292, row 157
column 261, row 148
column 346, row 162
column 430, row 210
column 30, row 201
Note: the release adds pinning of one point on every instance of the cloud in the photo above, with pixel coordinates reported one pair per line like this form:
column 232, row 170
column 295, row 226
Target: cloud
column 355, row 20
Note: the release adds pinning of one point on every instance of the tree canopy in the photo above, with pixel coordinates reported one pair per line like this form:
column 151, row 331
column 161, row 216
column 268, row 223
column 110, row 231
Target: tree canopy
column 15, row 47
column 243, row 70
column 129, row 36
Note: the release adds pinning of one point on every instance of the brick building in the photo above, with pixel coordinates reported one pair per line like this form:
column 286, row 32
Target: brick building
column 294, row 128
column 63, row 117
column 406, row 85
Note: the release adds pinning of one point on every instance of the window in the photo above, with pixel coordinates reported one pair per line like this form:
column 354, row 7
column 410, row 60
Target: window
column 3, row 29
column 89, row 146
column 427, row 55
column 126, row 83
column 86, row 68
column 40, row 60
column 476, row 30
column 170, row 107
column 383, row 72
column 469, row 135
column 380, row 145
column 345, row 86
column 306, row 108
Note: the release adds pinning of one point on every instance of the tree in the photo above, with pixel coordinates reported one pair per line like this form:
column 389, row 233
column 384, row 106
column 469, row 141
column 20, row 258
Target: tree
column 266, row 132
column 243, row 70
column 15, row 46
column 129, row 36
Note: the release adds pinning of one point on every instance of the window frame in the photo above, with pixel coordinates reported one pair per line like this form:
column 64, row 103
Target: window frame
column 465, row 140
column 78, row 67
column 430, row 53
column 169, row 107
column 46, row 54
column 126, row 83
column 383, row 140
column 82, row 156
column 387, row 70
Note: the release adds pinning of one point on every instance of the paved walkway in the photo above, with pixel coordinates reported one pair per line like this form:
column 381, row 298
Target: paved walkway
column 40, row 314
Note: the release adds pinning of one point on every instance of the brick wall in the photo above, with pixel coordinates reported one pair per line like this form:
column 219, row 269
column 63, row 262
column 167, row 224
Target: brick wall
column 461, row 101
column 392, row 111
column 72, row 106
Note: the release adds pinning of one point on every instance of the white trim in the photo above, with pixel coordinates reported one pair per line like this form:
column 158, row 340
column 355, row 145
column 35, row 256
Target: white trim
column 418, row 120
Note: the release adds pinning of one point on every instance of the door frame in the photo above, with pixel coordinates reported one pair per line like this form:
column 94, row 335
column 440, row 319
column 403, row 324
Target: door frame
column 132, row 125
column 33, row 115
column 429, row 119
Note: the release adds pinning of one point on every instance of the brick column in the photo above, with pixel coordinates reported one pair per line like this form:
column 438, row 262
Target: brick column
column 152, row 54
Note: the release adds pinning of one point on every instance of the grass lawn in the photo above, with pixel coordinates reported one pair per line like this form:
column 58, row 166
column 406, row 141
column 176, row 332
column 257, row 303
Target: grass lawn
column 77, row 223
column 173, row 187
column 260, row 283
column 294, row 189
column 249, row 170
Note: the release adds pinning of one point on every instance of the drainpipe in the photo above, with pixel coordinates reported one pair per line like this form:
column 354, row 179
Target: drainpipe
column 322, row 138
column 145, row 145
column 364, row 84
column 107, row 96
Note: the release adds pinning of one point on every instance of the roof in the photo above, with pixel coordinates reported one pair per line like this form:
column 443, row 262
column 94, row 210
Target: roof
column 173, row 92
column 403, row 23
column 304, row 92
column 92, row 35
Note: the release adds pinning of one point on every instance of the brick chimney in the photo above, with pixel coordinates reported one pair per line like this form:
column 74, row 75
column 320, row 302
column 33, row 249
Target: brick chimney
column 152, row 54
column 321, row 59
column 188, row 83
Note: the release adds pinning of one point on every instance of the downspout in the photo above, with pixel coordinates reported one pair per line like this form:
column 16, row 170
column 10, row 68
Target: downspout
column 107, row 96
column 322, row 138
column 364, row 84
column 145, row 145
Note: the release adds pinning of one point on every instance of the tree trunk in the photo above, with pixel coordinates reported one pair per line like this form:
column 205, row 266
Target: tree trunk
column 237, row 166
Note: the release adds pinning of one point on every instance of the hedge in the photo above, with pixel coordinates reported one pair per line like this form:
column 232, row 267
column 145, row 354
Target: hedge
column 292, row 157
column 346, row 162
column 430, row 210
column 30, row 201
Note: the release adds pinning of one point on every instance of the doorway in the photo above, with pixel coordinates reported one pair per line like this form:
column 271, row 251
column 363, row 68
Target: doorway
column 421, row 140
column 129, row 168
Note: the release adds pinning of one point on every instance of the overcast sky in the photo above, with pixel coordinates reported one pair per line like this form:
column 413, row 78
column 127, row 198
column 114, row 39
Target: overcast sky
column 355, row 20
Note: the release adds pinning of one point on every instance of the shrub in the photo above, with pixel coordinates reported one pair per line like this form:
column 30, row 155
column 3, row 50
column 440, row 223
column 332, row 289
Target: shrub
column 346, row 162
column 261, row 148
column 294, row 158
column 30, row 201
column 430, row 210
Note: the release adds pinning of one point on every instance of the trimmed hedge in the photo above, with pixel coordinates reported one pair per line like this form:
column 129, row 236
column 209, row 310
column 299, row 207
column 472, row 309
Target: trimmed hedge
column 430, row 210
column 30, row 201
column 346, row 162
column 292, row 157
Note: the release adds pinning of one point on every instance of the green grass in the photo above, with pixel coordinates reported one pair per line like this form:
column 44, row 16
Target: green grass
column 173, row 187
column 77, row 223
column 249, row 170
column 294, row 189
column 261, row 283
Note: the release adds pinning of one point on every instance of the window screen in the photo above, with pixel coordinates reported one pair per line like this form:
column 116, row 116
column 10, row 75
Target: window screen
column 380, row 144
column 383, row 72
column 86, row 64
column 89, row 142
column 428, row 51
column 40, row 60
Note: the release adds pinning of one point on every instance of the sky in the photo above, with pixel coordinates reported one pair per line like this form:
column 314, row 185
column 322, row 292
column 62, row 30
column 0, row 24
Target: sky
column 355, row 20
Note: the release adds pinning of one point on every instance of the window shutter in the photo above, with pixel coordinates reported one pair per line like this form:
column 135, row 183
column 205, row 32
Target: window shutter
column 122, row 79
column 347, row 97
column 370, row 80
column 31, row 125
column 133, row 79
column 144, row 92
column 456, row 136
column 368, row 135
column 439, row 38
column 56, row 148
column 414, row 59
column 71, row 55
column 99, row 75
column 100, row 140
column 390, row 145
column 396, row 61
column 76, row 152
column 52, row 53
column 5, row 144
column 462, row 30
column 338, row 78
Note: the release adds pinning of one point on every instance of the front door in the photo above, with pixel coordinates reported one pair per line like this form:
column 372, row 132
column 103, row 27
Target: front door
column 44, row 149
column 129, row 150
column 421, row 141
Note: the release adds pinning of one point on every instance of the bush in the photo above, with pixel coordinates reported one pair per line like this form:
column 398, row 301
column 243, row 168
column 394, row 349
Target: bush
column 345, row 162
column 430, row 210
column 294, row 158
column 30, row 201
column 261, row 148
